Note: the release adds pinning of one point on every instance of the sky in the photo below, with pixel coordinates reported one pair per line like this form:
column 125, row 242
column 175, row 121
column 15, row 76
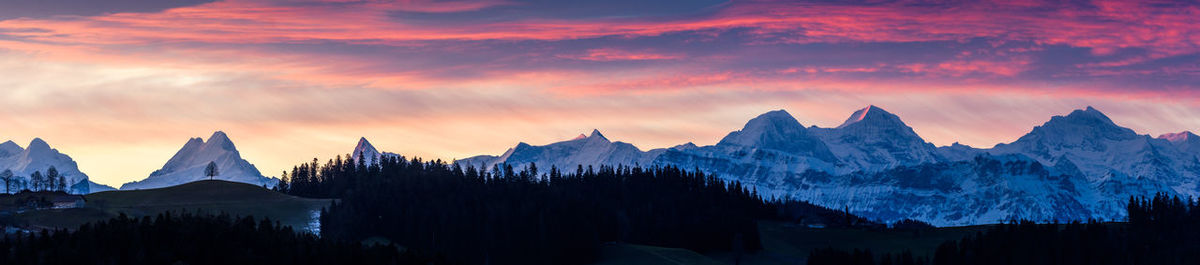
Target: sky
column 121, row 85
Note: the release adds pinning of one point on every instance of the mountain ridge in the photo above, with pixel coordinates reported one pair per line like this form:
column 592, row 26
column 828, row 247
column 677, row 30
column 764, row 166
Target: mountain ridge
column 188, row 164
column 1082, row 161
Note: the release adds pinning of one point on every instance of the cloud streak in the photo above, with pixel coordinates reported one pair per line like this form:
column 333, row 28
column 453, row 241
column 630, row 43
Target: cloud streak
column 417, row 69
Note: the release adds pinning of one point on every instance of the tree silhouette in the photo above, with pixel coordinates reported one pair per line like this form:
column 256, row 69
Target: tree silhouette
column 52, row 179
column 37, row 180
column 8, row 178
column 211, row 170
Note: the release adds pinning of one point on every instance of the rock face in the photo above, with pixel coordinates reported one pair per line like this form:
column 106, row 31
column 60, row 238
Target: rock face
column 364, row 149
column 39, row 156
column 1074, row 167
column 189, row 163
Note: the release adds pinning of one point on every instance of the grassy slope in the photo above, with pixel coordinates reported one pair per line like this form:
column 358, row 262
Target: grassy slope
column 207, row 196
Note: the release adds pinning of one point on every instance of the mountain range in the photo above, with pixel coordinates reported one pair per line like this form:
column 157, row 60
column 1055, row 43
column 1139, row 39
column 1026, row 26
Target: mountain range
column 38, row 156
column 189, row 163
column 1077, row 166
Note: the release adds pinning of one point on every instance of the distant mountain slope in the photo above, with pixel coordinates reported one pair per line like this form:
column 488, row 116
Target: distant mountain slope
column 591, row 150
column 873, row 139
column 1073, row 167
column 365, row 149
column 39, row 156
column 189, row 163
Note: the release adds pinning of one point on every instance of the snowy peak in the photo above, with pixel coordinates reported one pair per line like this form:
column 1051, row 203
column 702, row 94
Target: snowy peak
column 778, row 130
column 1080, row 127
column 365, row 149
column 765, row 130
column 1089, row 117
column 1089, row 114
column 188, row 165
column 38, row 145
column 1179, row 137
column 873, row 139
column 872, row 115
column 39, row 156
column 10, row 148
column 1186, row 141
column 596, row 135
column 221, row 140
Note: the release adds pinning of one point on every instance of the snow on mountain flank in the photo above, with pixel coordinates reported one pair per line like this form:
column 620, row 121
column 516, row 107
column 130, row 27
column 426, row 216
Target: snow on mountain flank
column 1073, row 167
column 188, row 165
column 39, row 156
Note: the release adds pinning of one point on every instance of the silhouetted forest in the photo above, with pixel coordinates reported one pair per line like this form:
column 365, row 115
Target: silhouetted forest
column 190, row 239
column 505, row 216
column 1161, row 230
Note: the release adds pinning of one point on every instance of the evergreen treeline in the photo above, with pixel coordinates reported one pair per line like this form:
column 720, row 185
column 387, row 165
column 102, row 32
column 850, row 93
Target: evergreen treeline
column 1161, row 230
column 51, row 181
column 505, row 216
column 190, row 239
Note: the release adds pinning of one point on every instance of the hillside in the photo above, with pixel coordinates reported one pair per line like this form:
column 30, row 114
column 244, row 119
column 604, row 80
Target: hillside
column 214, row 196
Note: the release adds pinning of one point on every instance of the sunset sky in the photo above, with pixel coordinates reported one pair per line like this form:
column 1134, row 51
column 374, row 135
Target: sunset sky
column 121, row 85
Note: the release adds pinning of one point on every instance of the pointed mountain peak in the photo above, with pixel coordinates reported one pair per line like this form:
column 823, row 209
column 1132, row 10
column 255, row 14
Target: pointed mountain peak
column 1179, row 137
column 778, row 130
column 220, row 139
column 38, row 144
column 364, row 148
column 10, row 148
column 1089, row 114
column 596, row 135
column 871, row 115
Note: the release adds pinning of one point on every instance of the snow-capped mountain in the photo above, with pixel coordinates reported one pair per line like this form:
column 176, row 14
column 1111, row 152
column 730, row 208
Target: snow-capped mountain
column 590, row 150
column 189, row 163
column 982, row 190
column 767, row 151
column 873, row 139
column 1186, row 141
column 365, row 149
column 39, row 156
column 1116, row 161
column 1074, row 167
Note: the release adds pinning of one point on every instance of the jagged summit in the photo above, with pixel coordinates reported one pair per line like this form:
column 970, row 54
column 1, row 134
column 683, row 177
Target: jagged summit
column 221, row 140
column 39, row 156
column 597, row 135
column 872, row 115
column 365, row 149
column 188, row 165
column 38, row 144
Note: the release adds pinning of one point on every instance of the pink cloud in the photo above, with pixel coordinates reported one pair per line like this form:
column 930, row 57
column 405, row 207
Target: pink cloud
column 611, row 54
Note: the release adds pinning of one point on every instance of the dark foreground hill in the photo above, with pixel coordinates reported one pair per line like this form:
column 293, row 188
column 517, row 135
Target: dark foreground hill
column 214, row 197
